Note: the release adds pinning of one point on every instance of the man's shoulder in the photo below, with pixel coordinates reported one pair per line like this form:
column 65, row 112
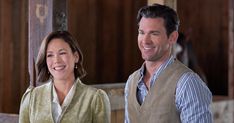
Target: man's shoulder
column 134, row 74
column 133, row 78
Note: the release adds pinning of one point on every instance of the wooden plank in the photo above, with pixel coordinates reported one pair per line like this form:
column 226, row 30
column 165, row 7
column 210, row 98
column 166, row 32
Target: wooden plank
column 156, row 1
column 120, row 116
column 82, row 23
column 107, row 40
column 16, row 43
column 1, row 57
column 113, row 117
column 13, row 54
column 7, row 61
column 24, row 77
column 231, row 50
column 171, row 3
column 132, row 59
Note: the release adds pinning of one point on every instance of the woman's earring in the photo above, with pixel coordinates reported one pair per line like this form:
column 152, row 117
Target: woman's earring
column 76, row 66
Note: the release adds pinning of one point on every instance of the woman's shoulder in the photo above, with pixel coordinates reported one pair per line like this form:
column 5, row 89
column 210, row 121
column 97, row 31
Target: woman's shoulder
column 27, row 93
column 91, row 90
column 42, row 87
column 86, row 88
column 32, row 91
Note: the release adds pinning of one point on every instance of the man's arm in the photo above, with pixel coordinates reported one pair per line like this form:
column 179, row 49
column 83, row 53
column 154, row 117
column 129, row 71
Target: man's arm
column 193, row 99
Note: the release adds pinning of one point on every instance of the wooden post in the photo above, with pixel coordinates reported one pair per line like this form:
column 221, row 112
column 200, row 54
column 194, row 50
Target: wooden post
column 231, row 51
column 171, row 3
column 44, row 17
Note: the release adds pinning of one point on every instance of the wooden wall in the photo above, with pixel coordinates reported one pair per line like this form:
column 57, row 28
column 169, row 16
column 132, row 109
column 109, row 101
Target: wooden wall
column 208, row 20
column 13, row 53
column 107, row 33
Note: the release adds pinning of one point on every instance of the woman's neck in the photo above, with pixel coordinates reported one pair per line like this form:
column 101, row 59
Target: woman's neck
column 62, row 88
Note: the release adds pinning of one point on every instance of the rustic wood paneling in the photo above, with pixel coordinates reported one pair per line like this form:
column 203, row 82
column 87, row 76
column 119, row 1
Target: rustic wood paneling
column 82, row 23
column 13, row 54
column 1, row 83
column 231, row 49
column 117, row 116
column 1, row 57
column 107, row 33
column 6, row 51
column 208, row 20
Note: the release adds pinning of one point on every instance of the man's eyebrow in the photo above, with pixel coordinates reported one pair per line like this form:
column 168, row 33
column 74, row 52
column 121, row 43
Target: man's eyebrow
column 154, row 31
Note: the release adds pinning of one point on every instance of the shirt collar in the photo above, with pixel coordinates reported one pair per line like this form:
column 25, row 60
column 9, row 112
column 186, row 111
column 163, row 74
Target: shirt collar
column 170, row 60
column 67, row 99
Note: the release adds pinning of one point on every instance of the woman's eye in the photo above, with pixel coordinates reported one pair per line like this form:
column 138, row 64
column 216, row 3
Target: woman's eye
column 62, row 53
column 49, row 55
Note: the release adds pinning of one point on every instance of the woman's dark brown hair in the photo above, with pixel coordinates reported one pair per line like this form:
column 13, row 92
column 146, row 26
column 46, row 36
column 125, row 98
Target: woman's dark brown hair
column 43, row 74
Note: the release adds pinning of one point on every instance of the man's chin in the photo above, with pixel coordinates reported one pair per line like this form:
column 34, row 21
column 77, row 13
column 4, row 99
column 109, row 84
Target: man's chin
column 150, row 59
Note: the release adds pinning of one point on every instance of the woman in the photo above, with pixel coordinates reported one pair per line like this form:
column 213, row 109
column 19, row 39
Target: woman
column 64, row 98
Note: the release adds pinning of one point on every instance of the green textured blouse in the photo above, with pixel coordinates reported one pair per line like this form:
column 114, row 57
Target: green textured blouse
column 88, row 105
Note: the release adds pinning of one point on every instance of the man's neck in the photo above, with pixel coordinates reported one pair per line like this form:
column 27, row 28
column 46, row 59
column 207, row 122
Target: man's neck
column 152, row 66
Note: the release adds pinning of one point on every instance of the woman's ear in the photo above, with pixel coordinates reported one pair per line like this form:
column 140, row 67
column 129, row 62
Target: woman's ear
column 76, row 54
column 173, row 37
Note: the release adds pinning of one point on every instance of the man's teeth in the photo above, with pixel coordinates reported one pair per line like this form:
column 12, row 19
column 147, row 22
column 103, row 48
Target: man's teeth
column 147, row 48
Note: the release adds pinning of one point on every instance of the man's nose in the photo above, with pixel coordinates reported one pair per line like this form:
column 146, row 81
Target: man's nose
column 146, row 38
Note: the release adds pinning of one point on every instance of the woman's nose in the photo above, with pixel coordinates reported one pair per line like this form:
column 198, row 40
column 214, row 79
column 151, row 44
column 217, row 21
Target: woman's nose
column 57, row 58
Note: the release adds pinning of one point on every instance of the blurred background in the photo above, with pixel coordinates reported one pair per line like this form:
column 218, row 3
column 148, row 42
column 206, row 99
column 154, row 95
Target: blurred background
column 107, row 33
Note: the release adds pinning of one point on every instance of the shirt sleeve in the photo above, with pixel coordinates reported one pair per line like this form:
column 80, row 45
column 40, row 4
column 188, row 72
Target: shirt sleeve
column 101, row 107
column 193, row 99
column 24, row 106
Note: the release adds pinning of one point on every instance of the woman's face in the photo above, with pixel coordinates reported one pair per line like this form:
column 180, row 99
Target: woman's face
column 61, row 60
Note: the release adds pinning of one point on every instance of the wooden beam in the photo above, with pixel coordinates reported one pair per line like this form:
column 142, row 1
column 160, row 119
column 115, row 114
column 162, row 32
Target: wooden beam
column 231, row 51
column 171, row 3
column 156, row 1
column 44, row 17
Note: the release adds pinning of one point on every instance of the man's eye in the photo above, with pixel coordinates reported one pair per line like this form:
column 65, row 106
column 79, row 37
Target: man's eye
column 155, row 33
column 140, row 32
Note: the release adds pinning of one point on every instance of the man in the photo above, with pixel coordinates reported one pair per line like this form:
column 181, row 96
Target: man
column 163, row 90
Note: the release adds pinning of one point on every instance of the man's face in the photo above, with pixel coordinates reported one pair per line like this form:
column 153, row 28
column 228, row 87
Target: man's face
column 153, row 41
